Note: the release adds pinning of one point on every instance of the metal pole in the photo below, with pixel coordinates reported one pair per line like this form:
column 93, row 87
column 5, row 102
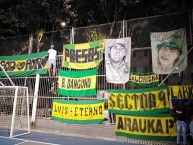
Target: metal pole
column 7, row 75
column 123, row 28
column 35, row 99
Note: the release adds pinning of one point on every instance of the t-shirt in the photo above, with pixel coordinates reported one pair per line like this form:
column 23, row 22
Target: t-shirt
column 52, row 53
column 180, row 113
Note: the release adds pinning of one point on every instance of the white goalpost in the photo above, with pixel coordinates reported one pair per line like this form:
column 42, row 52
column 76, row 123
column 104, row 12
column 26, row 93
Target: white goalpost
column 14, row 110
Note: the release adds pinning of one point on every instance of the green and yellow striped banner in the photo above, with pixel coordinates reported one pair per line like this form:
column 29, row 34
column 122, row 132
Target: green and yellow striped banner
column 83, row 56
column 77, row 83
column 158, row 127
column 138, row 101
column 25, row 65
column 78, row 112
column 181, row 91
column 144, row 79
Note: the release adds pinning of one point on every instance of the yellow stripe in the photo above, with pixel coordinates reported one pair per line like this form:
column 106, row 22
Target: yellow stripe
column 82, row 46
column 134, row 101
column 63, row 85
column 78, row 112
column 152, row 126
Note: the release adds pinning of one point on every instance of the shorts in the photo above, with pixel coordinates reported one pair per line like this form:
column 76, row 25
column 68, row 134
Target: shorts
column 52, row 62
column 191, row 128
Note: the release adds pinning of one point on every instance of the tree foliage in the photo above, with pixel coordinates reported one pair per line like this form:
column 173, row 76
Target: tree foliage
column 21, row 17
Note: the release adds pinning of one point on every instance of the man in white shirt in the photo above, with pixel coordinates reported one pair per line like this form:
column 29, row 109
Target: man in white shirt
column 52, row 60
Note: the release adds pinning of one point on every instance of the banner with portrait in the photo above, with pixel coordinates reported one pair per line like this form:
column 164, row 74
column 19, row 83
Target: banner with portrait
column 158, row 127
column 144, row 79
column 83, row 56
column 169, row 51
column 77, row 83
column 117, row 60
column 78, row 112
column 138, row 101
column 24, row 65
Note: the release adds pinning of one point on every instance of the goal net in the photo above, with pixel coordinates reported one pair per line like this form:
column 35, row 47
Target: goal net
column 14, row 111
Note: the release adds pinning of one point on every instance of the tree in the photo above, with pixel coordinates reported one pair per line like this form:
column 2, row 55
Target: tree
column 20, row 17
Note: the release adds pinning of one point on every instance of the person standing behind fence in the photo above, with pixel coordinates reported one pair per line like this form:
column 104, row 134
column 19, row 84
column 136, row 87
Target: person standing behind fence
column 191, row 129
column 52, row 61
column 180, row 116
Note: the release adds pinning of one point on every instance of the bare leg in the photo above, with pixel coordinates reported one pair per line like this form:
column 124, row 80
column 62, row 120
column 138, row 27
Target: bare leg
column 49, row 72
column 54, row 72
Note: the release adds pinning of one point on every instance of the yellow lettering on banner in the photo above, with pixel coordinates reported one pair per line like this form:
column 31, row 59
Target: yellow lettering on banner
column 144, row 79
column 181, row 91
column 155, row 126
column 78, row 112
column 138, row 101
column 23, row 65
column 77, row 83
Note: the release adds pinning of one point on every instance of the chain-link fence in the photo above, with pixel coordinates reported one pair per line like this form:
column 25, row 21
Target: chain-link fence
column 141, row 58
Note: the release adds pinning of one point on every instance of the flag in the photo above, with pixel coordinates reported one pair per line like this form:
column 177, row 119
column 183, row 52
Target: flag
column 83, row 56
column 117, row 60
column 169, row 51
column 77, row 83
column 78, row 112
column 24, row 65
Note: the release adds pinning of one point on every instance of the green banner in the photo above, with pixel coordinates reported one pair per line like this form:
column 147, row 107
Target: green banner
column 83, row 56
column 24, row 65
column 158, row 127
column 77, row 83
column 138, row 101
column 78, row 112
column 144, row 79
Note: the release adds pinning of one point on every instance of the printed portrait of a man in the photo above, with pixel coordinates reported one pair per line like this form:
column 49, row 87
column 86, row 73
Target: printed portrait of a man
column 169, row 50
column 117, row 60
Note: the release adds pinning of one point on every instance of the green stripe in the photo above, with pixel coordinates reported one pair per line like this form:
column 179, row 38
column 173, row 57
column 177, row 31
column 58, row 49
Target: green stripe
column 153, row 84
column 94, row 44
column 146, row 137
column 77, row 93
column 78, row 102
column 70, row 46
column 142, row 74
column 25, row 73
column 163, row 112
column 95, row 121
column 77, row 74
column 137, row 90
column 25, row 56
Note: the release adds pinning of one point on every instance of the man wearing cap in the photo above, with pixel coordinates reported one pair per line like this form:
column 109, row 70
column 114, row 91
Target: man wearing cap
column 52, row 60
column 117, row 69
column 169, row 52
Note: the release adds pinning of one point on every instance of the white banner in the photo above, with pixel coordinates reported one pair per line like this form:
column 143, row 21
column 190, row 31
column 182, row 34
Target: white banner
column 117, row 60
column 169, row 51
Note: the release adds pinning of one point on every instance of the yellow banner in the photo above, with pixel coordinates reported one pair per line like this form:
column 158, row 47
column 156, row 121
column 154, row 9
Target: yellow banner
column 68, row 110
column 83, row 56
column 133, row 101
column 146, row 126
column 181, row 91
column 77, row 83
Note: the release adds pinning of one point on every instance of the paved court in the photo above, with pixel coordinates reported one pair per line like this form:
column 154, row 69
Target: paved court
column 36, row 138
